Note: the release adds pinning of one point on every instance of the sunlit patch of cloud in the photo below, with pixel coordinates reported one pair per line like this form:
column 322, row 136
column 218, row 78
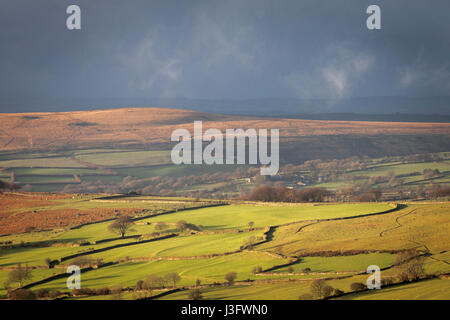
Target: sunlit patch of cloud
column 424, row 75
column 149, row 65
column 334, row 75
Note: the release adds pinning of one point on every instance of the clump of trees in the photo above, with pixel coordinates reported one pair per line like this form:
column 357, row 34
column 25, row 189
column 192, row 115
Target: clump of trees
column 283, row 194
column 184, row 226
column 173, row 277
column 439, row 192
column 195, row 294
column 116, row 292
column 19, row 275
column 357, row 286
column 370, row 196
column 83, row 261
column 152, row 282
column 159, row 226
column 121, row 225
column 320, row 289
column 91, row 292
column 159, row 185
column 231, row 277
column 431, row 173
column 257, row 270
column 250, row 242
column 11, row 186
column 306, row 270
column 21, row 294
column 410, row 264
column 49, row 262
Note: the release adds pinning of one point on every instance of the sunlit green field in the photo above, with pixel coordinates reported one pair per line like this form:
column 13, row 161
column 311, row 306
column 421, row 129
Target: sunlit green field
column 357, row 262
column 207, row 270
column 238, row 216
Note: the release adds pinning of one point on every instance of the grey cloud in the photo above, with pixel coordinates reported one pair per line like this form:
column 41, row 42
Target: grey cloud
column 222, row 50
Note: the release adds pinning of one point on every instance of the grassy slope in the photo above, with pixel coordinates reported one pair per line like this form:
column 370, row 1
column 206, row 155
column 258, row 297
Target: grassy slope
column 342, row 263
column 238, row 216
column 426, row 224
column 435, row 289
column 182, row 246
column 207, row 270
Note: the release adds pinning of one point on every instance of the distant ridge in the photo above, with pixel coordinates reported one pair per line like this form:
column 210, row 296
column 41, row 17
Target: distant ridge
column 415, row 109
column 395, row 117
column 152, row 126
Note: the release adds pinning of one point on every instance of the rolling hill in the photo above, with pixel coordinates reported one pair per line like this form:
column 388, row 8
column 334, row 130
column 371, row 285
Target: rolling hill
column 153, row 126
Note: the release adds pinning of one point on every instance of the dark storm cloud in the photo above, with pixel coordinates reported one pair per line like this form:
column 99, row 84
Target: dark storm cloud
column 221, row 49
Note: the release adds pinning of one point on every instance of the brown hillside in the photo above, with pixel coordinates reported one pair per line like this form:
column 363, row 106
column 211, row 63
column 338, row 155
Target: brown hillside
column 154, row 125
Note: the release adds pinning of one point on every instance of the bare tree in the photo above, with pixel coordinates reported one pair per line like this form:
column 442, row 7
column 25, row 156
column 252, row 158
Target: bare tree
column 11, row 186
column 19, row 275
column 48, row 262
column 116, row 292
column 161, row 226
column 195, row 295
column 320, row 289
column 357, row 286
column 153, row 282
column 173, row 277
column 121, row 225
column 21, row 294
column 230, row 277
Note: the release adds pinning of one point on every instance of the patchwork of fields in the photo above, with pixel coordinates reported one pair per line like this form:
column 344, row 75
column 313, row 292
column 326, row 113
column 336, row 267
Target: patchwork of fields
column 276, row 250
column 100, row 168
column 151, row 172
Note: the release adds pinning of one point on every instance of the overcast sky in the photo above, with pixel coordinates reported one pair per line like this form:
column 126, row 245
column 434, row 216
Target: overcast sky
column 242, row 49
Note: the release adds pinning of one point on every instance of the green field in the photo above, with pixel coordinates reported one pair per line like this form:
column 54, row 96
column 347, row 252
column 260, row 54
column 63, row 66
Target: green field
column 238, row 216
column 357, row 262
